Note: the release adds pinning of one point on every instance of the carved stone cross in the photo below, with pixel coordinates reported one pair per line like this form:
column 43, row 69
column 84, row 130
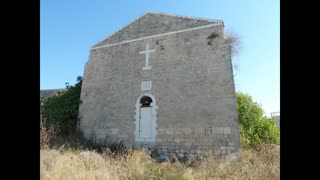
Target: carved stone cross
column 147, row 52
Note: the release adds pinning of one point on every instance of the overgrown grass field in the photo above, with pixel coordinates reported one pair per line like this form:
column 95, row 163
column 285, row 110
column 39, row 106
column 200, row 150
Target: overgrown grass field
column 257, row 163
column 260, row 159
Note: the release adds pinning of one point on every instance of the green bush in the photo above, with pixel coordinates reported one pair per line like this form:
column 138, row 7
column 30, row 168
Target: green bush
column 255, row 129
column 61, row 110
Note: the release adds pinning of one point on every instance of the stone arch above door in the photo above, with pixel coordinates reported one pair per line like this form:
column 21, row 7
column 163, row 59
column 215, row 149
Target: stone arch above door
column 154, row 107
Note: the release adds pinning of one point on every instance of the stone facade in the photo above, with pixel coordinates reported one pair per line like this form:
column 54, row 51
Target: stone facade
column 192, row 90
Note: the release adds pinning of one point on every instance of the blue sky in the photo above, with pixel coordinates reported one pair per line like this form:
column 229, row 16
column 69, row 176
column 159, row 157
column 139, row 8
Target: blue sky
column 69, row 28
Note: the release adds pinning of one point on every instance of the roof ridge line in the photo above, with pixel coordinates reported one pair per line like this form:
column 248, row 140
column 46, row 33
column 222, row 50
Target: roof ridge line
column 119, row 29
column 158, row 35
column 183, row 16
column 159, row 13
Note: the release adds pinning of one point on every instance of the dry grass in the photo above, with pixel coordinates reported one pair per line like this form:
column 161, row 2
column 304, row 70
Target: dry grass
column 258, row 163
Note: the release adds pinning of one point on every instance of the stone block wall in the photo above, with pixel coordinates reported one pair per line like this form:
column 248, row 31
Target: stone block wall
column 193, row 84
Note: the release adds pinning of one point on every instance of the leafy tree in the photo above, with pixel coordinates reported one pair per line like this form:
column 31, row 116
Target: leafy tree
column 61, row 110
column 255, row 129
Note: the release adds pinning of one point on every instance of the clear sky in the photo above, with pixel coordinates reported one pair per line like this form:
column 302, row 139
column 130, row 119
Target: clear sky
column 69, row 28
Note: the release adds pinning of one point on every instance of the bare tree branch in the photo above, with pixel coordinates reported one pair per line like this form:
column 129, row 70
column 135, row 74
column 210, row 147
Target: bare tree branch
column 233, row 39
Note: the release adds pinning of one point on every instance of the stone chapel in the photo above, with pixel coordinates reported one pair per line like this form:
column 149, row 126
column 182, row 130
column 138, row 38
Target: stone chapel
column 163, row 81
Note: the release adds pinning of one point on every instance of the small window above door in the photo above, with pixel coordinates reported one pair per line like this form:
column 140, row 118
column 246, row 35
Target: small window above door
column 145, row 101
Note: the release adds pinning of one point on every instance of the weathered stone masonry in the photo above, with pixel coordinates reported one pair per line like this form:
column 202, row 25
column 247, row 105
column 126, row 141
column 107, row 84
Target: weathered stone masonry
column 192, row 83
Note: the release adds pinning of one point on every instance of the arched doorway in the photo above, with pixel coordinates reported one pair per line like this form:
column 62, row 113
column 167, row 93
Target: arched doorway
column 145, row 118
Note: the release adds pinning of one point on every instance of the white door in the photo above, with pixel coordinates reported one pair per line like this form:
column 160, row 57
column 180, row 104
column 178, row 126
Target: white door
column 145, row 123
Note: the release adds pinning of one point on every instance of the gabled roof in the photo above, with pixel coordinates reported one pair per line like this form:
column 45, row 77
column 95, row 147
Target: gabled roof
column 152, row 23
